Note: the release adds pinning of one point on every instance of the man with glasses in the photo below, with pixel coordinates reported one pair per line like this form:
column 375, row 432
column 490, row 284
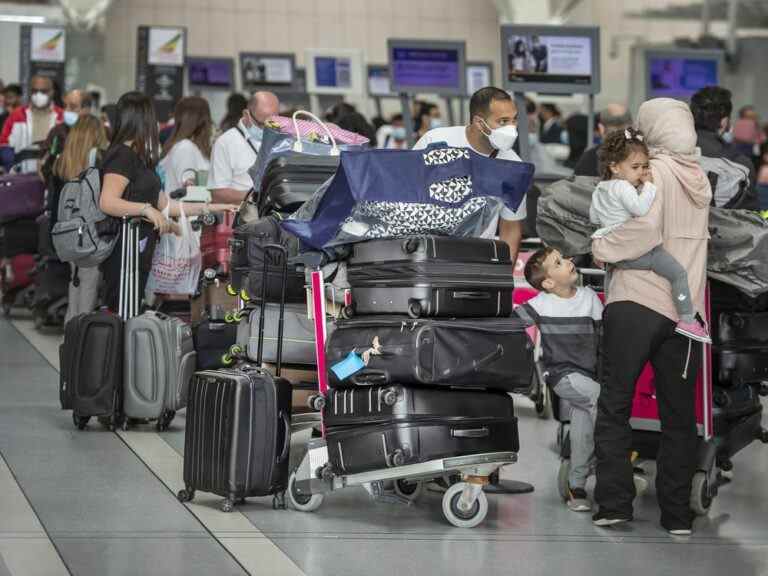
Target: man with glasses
column 28, row 126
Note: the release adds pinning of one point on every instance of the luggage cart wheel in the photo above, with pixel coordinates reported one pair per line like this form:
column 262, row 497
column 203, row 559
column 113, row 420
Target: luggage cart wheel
column 701, row 496
column 227, row 505
column 411, row 490
column 414, row 310
column 302, row 502
column 348, row 312
column 464, row 515
column 562, row 478
column 186, row 495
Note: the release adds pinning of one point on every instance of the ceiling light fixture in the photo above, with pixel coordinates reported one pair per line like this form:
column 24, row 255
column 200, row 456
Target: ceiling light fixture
column 21, row 19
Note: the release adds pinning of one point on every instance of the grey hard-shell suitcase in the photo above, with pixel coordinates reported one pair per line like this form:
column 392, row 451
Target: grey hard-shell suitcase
column 160, row 360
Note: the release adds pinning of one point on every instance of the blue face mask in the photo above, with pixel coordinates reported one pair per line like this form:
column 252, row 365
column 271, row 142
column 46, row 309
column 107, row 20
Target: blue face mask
column 435, row 123
column 256, row 132
column 399, row 133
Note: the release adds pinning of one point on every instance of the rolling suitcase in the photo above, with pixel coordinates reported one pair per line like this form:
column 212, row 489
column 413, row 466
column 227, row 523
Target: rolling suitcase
column 292, row 179
column 65, row 396
column 397, row 403
column 19, row 237
column 95, row 344
column 160, row 360
column 743, row 364
column 357, row 449
column 743, row 328
column 214, row 244
column 213, row 340
column 21, row 196
column 51, row 292
column 431, row 276
column 493, row 353
column 238, row 432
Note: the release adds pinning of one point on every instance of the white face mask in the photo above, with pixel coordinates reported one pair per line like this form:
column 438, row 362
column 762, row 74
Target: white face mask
column 503, row 138
column 70, row 118
column 40, row 100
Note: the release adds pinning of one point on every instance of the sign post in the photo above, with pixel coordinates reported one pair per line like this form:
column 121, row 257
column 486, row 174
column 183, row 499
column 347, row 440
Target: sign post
column 160, row 57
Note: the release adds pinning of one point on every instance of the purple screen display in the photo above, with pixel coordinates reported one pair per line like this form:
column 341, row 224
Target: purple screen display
column 210, row 72
column 419, row 67
column 681, row 77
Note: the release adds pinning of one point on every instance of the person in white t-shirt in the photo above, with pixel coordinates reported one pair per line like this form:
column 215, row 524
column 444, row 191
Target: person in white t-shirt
column 235, row 151
column 492, row 132
column 188, row 150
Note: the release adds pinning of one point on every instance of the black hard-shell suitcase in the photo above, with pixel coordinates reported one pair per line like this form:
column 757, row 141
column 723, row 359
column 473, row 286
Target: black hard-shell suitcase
column 291, row 180
column 432, row 276
column 493, row 353
column 213, row 341
column 396, row 403
column 65, row 396
column 247, row 248
column 742, row 364
column 738, row 328
column 238, row 430
column 352, row 450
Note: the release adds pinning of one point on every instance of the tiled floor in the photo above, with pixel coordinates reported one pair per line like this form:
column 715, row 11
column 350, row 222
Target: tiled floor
column 99, row 503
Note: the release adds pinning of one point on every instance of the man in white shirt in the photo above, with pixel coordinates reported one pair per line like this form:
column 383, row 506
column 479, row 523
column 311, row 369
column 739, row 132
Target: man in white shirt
column 235, row 151
column 492, row 132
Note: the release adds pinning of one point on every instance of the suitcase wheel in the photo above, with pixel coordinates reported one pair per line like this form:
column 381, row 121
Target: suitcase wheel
column 227, row 505
column 186, row 494
column 701, row 494
column 80, row 421
column 411, row 490
column 414, row 310
column 165, row 420
column 348, row 312
column 464, row 514
column 7, row 308
column 302, row 502
column 231, row 290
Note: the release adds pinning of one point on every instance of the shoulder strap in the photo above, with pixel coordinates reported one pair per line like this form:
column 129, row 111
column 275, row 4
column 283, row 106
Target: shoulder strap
column 494, row 153
column 247, row 140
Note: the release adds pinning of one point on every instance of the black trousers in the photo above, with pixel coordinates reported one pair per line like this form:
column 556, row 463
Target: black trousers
column 633, row 335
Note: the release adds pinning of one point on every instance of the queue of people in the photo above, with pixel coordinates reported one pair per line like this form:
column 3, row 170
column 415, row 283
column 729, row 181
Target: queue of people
column 652, row 208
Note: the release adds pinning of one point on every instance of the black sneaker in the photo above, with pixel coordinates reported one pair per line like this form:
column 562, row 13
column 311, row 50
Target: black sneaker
column 603, row 520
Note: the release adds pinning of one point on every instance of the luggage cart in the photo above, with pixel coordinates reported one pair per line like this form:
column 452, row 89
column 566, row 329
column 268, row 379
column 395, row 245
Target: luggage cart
column 465, row 505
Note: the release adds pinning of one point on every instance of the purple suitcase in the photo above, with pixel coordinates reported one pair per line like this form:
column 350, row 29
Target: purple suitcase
column 21, row 196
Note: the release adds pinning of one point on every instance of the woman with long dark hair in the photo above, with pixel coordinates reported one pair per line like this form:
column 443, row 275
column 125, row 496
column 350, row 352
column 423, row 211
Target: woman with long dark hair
column 188, row 150
column 236, row 103
column 130, row 187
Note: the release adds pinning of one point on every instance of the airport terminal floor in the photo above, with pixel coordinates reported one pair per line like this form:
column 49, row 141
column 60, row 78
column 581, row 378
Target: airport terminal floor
column 104, row 504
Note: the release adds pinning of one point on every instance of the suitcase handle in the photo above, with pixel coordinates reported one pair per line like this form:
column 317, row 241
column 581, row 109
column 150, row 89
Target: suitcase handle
column 370, row 377
column 472, row 433
column 471, row 296
column 286, row 437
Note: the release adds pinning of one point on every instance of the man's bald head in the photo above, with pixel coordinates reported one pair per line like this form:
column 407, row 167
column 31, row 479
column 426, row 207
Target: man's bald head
column 77, row 101
column 615, row 117
column 263, row 105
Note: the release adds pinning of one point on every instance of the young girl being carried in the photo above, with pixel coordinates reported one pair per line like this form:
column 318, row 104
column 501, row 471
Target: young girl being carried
column 626, row 192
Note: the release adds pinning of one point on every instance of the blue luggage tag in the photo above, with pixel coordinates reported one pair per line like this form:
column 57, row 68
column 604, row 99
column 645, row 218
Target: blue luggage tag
column 350, row 365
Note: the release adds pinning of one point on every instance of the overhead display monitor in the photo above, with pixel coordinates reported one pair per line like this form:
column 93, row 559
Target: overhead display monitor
column 551, row 59
column 427, row 66
column 479, row 75
column 210, row 72
column 677, row 73
column 378, row 81
column 334, row 72
column 267, row 70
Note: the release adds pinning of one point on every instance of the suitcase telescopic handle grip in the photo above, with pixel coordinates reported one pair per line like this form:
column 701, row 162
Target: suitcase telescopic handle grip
column 471, row 433
column 471, row 295
column 370, row 377
column 286, row 437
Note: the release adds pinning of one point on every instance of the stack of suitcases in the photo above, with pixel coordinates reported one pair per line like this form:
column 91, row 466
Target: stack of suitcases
column 434, row 351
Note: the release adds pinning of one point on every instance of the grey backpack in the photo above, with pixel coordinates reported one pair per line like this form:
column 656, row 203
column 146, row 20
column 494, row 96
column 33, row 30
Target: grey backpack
column 729, row 180
column 80, row 234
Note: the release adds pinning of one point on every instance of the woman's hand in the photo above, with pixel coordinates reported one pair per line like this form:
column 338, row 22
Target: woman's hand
column 223, row 208
column 158, row 221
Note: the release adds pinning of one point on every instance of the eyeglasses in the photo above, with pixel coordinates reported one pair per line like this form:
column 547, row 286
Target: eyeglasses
column 39, row 91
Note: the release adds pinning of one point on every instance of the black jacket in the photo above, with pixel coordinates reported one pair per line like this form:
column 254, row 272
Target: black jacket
column 713, row 146
column 588, row 164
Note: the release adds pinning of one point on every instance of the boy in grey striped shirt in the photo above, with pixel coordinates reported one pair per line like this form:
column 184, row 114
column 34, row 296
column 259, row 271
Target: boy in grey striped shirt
column 568, row 317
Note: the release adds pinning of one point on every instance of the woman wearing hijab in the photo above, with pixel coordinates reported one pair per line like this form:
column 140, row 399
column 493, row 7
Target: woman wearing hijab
column 639, row 325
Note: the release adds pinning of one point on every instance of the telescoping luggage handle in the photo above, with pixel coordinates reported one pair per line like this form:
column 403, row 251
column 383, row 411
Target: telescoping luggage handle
column 281, row 259
column 129, row 298
column 298, row 145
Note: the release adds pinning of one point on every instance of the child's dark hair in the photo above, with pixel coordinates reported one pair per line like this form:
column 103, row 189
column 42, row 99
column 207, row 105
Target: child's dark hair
column 617, row 147
column 534, row 271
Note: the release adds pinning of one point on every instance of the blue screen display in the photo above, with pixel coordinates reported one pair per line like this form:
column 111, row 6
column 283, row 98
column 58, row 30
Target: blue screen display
column 681, row 77
column 332, row 72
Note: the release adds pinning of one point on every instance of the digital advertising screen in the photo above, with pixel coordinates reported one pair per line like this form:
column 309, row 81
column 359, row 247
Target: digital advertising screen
column 337, row 72
column 331, row 72
column 210, row 72
column 680, row 77
column 479, row 75
column 267, row 70
column 430, row 67
column 378, row 81
column 551, row 59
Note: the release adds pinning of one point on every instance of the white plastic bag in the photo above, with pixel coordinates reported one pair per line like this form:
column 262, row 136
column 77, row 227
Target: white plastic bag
column 177, row 260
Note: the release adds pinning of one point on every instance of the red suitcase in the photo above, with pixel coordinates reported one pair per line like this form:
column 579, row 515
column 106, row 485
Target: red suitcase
column 214, row 244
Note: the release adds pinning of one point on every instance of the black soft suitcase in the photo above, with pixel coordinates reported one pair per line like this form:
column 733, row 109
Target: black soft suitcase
column 493, row 353
column 213, row 341
column 742, row 364
column 19, row 237
column 65, row 396
column 743, row 328
column 248, row 259
column 737, row 414
column 238, row 430
column 291, row 180
column 432, row 276
column 51, row 291
column 396, row 403
column 352, row 450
